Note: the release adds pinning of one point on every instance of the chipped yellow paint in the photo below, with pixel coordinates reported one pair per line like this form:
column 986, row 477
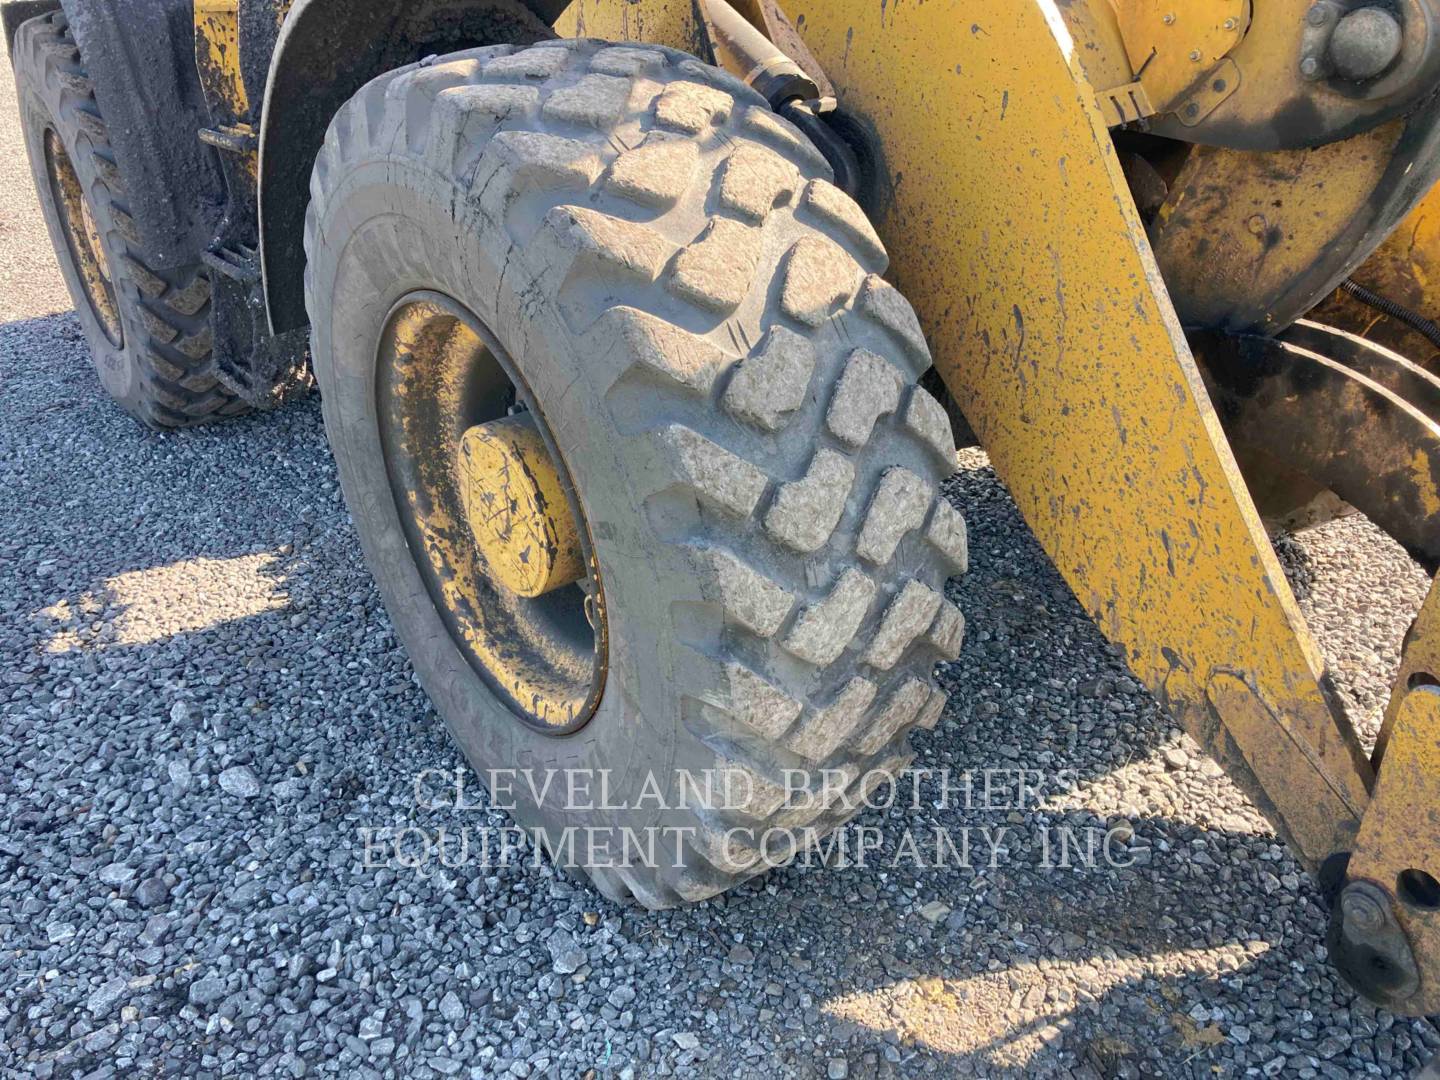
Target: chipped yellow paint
column 1406, row 269
column 1015, row 237
column 660, row 22
column 217, row 53
column 217, row 59
column 1099, row 44
column 1264, row 85
column 1401, row 830
column 517, row 509
column 1173, row 44
column 1240, row 225
column 1420, row 660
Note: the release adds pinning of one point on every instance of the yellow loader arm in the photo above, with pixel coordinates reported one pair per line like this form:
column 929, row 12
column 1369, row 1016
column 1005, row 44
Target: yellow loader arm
column 1054, row 306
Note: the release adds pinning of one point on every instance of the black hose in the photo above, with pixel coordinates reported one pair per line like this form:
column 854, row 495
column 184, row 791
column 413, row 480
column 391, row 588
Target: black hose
column 1417, row 322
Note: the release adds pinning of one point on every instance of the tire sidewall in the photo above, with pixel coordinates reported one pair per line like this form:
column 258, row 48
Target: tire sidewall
column 42, row 109
column 388, row 231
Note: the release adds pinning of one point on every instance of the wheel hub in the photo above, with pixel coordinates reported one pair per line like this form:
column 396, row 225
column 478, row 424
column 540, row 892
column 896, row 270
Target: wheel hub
column 516, row 507
column 490, row 513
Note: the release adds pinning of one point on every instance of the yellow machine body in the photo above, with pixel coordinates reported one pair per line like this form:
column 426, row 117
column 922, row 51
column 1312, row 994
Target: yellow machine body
column 1078, row 196
column 1406, row 268
column 517, row 508
column 1013, row 230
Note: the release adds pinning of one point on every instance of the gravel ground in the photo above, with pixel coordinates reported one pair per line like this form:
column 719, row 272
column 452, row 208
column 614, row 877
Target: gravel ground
column 204, row 709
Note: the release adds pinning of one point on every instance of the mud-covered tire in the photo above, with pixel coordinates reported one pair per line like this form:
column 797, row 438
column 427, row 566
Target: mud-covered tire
column 160, row 370
column 732, row 385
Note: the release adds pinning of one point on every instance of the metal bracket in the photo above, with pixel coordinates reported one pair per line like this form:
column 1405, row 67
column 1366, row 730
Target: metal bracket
column 1320, row 23
column 1386, row 929
column 232, row 138
column 263, row 368
column 240, row 264
column 1211, row 92
column 1175, row 45
column 1125, row 104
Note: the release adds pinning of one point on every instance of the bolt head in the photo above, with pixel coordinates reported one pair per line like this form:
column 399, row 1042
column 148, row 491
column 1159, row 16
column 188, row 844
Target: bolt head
column 1168, row 20
column 1318, row 15
column 1362, row 912
column 1366, row 43
column 1310, row 67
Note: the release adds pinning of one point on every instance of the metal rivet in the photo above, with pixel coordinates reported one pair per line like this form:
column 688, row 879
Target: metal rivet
column 1195, row 56
column 1168, row 20
column 1310, row 67
column 1231, row 24
column 1318, row 15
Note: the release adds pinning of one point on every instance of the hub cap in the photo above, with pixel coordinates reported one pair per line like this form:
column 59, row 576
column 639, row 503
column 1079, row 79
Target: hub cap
column 516, row 507
column 490, row 515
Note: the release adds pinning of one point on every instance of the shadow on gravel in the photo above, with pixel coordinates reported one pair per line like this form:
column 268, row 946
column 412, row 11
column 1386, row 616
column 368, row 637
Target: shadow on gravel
column 29, row 376
column 204, row 716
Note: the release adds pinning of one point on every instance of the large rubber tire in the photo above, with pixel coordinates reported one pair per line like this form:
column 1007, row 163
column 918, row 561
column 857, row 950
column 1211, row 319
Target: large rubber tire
column 700, row 315
column 161, row 370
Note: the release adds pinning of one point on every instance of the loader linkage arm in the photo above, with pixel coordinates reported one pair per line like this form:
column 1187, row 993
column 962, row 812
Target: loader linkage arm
column 1015, row 232
column 1385, row 929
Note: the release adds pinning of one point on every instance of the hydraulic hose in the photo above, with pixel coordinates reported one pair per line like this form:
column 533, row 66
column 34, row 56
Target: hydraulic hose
column 1427, row 328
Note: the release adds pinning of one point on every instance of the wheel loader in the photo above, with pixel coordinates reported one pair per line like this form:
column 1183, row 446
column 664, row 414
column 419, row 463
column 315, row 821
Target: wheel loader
column 645, row 331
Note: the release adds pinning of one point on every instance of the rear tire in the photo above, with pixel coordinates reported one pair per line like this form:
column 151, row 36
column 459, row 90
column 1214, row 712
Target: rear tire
column 700, row 317
column 148, row 329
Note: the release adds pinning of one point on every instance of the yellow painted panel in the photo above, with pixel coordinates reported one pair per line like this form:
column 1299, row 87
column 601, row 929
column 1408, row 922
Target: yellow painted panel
column 1400, row 836
column 1240, row 224
column 660, row 22
column 217, row 53
column 1406, row 269
column 1013, row 233
column 1176, row 43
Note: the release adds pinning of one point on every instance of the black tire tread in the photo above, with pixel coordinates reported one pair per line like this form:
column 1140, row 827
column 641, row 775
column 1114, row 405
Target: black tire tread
column 165, row 312
column 546, row 163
